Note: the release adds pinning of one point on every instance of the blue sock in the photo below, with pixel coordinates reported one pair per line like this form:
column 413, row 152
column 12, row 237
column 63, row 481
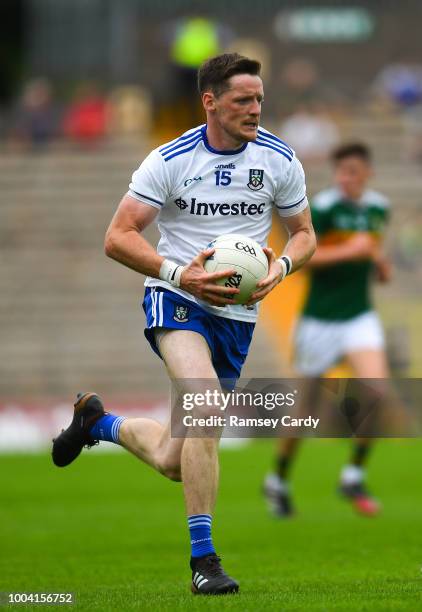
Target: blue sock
column 200, row 534
column 107, row 428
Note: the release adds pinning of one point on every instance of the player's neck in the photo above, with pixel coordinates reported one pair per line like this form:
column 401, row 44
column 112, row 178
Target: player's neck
column 221, row 140
column 355, row 196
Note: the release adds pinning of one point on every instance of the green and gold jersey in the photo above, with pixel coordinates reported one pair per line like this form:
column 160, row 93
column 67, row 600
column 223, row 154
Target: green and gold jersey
column 341, row 291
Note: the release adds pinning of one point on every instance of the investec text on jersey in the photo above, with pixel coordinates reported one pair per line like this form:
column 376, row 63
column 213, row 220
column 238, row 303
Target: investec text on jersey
column 205, row 208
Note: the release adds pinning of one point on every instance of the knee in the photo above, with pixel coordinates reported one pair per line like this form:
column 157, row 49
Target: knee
column 170, row 470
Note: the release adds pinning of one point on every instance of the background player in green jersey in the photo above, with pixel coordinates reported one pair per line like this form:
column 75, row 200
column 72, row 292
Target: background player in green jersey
column 338, row 321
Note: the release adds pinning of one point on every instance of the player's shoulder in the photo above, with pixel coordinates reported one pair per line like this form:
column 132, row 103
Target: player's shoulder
column 272, row 143
column 375, row 198
column 180, row 146
column 327, row 198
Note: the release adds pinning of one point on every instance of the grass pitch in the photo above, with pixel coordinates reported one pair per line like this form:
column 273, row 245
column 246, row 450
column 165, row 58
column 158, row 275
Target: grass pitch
column 114, row 532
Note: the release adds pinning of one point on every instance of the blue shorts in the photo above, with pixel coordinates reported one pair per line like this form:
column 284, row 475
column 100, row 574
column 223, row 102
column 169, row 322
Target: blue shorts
column 227, row 339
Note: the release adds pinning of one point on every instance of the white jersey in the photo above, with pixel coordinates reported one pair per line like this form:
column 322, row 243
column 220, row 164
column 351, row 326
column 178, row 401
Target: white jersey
column 202, row 193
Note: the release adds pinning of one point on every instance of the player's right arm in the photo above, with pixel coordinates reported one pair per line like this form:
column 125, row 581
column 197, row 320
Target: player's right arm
column 361, row 246
column 125, row 243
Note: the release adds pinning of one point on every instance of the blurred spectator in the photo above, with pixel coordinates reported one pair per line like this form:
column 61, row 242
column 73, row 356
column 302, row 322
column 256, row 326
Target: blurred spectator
column 251, row 47
column 310, row 132
column 400, row 84
column 412, row 128
column 300, row 84
column 191, row 41
column 408, row 244
column 36, row 119
column 85, row 120
column 130, row 111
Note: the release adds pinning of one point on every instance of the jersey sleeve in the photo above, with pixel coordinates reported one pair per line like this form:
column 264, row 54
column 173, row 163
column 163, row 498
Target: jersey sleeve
column 320, row 220
column 291, row 197
column 387, row 212
column 150, row 183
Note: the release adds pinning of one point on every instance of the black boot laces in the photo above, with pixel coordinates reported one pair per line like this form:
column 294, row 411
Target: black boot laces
column 213, row 566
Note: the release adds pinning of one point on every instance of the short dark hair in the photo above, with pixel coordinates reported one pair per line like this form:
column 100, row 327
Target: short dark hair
column 352, row 149
column 215, row 72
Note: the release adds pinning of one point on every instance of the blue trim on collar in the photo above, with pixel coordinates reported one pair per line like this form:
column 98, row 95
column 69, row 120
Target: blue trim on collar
column 216, row 151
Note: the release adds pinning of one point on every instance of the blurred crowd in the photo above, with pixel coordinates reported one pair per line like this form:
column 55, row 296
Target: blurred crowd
column 39, row 117
column 304, row 108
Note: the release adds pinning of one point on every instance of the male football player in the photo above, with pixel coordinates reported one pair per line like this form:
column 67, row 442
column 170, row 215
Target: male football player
column 222, row 177
column 338, row 321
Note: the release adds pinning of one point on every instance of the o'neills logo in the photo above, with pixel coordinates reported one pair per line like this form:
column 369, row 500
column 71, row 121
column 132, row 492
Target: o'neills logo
column 215, row 208
column 229, row 166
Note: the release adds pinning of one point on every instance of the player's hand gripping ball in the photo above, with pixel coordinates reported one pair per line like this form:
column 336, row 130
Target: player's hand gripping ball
column 243, row 255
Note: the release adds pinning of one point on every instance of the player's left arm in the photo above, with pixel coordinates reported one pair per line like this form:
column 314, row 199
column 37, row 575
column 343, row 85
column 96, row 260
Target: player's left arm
column 383, row 266
column 299, row 248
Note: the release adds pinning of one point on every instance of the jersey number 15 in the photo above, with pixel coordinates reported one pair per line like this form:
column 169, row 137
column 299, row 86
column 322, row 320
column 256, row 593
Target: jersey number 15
column 223, row 178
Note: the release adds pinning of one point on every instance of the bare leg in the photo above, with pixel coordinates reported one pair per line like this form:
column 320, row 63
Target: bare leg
column 367, row 363
column 187, row 357
column 286, row 452
column 150, row 441
column 287, row 448
column 200, row 473
column 276, row 485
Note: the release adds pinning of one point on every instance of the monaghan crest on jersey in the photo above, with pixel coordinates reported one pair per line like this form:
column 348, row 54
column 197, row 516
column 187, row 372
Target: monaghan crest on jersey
column 181, row 314
column 256, row 178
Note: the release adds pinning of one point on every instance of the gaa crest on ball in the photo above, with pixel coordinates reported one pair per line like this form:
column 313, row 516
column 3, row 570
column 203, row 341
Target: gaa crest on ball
column 246, row 260
column 234, row 281
column 256, row 179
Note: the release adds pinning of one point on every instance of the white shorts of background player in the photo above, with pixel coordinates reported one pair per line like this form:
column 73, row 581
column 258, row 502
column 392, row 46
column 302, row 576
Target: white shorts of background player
column 320, row 344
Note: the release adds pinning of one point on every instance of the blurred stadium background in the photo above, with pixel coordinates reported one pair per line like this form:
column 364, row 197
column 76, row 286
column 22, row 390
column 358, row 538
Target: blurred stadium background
column 87, row 88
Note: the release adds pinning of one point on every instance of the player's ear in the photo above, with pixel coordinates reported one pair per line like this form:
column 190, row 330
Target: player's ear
column 208, row 101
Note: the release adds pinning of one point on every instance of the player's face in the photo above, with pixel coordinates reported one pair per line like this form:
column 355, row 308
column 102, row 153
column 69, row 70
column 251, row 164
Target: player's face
column 238, row 109
column 351, row 174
